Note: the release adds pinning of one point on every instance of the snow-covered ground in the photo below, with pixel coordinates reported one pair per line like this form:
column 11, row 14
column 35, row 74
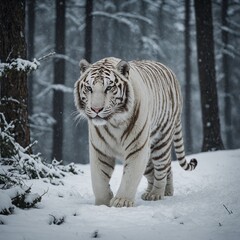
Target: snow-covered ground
column 206, row 205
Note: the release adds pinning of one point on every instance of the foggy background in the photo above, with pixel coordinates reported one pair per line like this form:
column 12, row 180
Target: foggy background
column 129, row 30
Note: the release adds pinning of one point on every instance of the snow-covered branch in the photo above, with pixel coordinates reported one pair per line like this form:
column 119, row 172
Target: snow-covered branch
column 75, row 20
column 228, row 49
column 155, row 4
column 66, row 58
column 234, row 23
column 230, row 31
column 133, row 27
column 151, row 45
column 134, row 16
column 46, row 56
column 57, row 87
column 124, row 17
column 20, row 65
column 42, row 51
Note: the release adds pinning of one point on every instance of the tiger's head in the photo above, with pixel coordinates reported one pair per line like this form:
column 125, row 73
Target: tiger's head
column 103, row 91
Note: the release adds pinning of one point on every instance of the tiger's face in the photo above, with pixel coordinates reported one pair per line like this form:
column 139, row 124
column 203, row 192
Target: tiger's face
column 103, row 92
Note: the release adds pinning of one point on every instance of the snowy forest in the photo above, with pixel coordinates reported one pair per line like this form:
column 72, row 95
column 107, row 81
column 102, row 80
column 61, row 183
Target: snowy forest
column 71, row 30
column 128, row 30
column 41, row 44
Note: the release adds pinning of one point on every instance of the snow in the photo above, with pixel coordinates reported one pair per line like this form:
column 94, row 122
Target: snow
column 13, row 192
column 206, row 205
column 30, row 198
column 20, row 65
column 6, row 202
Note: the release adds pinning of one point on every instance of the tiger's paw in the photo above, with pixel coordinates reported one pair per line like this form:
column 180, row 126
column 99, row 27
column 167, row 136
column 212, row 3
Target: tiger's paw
column 168, row 192
column 145, row 196
column 151, row 196
column 121, row 202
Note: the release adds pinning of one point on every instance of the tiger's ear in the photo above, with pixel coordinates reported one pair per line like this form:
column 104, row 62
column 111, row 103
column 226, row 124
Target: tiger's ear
column 123, row 67
column 84, row 65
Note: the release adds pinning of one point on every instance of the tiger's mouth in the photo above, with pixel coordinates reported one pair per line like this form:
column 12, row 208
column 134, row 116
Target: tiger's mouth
column 98, row 121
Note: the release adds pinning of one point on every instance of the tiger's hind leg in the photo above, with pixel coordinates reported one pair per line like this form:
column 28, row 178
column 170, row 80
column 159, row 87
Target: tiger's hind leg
column 149, row 174
column 161, row 160
column 169, row 190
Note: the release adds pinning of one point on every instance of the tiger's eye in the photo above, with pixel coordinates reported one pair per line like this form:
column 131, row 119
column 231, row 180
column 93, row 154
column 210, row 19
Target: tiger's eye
column 89, row 88
column 108, row 88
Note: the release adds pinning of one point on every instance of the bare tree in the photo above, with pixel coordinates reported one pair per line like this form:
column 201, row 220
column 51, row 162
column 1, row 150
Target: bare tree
column 212, row 139
column 59, row 78
column 13, row 82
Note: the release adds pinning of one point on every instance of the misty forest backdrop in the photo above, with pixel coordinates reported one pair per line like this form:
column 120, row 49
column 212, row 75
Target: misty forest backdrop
column 157, row 30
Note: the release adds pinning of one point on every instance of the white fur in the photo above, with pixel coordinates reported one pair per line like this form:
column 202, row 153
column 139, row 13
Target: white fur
column 108, row 140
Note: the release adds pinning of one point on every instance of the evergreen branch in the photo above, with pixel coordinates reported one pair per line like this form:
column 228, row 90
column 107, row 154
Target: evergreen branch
column 19, row 65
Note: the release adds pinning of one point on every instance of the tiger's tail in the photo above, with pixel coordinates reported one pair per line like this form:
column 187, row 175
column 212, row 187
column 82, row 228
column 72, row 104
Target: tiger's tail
column 179, row 150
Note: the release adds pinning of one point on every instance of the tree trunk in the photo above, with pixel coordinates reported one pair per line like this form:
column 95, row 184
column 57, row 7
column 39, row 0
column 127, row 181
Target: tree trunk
column 59, row 78
column 187, row 105
column 206, row 67
column 82, row 132
column 225, row 67
column 30, row 45
column 14, row 91
column 88, row 31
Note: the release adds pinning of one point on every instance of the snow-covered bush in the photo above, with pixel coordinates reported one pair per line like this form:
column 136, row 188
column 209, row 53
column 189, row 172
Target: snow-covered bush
column 95, row 234
column 6, row 139
column 56, row 219
column 21, row 164
column 19, row 196
column 17, row 165
column 6, row 206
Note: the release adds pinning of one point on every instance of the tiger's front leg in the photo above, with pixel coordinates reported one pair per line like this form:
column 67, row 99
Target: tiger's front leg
column 102, row 167
column 135, row 163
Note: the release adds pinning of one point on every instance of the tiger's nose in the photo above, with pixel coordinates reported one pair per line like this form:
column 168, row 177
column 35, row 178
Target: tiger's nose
column 96, row 109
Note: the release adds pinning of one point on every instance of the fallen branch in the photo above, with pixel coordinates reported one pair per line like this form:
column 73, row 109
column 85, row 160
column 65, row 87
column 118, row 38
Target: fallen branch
column 229, row 212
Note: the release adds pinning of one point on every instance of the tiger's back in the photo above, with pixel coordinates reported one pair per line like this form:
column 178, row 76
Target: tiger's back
column 162, row 89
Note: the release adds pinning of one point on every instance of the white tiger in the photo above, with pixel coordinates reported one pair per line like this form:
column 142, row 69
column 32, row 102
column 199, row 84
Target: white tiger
column 134, row 113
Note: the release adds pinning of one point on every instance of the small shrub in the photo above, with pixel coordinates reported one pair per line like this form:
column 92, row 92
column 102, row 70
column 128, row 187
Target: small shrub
column 95, row 234
column 6, row 206
column 20, row 162
column 17, row 165
column 56, row 220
